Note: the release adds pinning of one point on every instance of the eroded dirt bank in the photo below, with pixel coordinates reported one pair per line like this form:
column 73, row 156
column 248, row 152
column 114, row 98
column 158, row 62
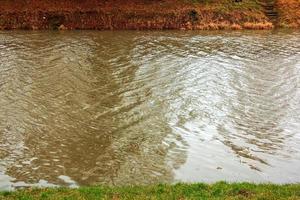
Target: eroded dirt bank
column 134, row 14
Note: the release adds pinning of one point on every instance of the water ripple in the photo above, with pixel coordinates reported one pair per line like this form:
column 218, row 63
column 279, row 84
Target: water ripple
column 148, row 107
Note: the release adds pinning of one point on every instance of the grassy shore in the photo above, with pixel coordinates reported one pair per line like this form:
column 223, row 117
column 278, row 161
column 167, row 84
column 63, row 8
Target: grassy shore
column 289, row 13
column 147, row 14
column 220, row 190
column 133, row 14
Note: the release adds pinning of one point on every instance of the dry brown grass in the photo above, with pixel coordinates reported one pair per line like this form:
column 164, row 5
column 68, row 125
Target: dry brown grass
column 236, row 27
column 258, row 26
column 131, row 14
column 289, row 13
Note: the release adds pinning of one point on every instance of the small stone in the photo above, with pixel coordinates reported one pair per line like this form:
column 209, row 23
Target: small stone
column 62, row 27
column 33, row 27
column 219, row 168
column 189, row 26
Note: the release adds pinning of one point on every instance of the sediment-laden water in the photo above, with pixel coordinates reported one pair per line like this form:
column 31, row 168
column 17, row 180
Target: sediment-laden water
column 83, row 108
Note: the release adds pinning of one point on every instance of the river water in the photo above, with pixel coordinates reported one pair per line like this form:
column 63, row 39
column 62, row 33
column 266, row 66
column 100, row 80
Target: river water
column 84, row 107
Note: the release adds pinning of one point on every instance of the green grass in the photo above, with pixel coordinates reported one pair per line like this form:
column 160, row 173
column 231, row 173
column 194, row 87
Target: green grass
column 220, row 190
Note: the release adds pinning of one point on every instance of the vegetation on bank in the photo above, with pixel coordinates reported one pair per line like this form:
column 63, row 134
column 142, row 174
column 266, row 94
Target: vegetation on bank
column 148, row 14
column 220, row 190
column 134, row 14
column 289, row 13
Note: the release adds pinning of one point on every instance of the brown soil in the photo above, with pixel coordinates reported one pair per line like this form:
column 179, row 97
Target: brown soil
column 131, row 14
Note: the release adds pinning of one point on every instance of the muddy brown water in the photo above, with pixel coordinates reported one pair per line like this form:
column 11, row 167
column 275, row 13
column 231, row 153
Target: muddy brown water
column 84, row 107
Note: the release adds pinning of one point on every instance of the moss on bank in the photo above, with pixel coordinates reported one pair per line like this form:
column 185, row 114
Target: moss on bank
column 220, row 190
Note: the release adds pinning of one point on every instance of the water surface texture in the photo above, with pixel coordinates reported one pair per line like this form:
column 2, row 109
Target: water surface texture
column 83, row 108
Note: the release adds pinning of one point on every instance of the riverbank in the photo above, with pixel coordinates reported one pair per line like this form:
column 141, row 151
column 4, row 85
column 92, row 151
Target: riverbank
column 145, row 14
column 289, row 13
column 219, row 190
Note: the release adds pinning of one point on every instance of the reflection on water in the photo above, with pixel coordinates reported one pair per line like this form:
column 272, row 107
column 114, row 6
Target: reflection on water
column 82, row 108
